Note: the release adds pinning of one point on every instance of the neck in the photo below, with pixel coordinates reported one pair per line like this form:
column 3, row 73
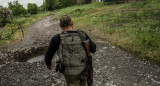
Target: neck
column 67, row 28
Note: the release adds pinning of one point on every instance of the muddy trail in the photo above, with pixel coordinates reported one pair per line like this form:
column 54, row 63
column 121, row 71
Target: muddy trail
column 112, row 66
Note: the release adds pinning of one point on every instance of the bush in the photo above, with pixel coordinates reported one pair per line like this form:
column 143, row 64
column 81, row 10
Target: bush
column 5, row 16
column 57, row 4
column 32, row 8
column 67, row 3
column 17, row 8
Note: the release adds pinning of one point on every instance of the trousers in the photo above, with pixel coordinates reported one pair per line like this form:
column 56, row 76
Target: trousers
column 75, row 80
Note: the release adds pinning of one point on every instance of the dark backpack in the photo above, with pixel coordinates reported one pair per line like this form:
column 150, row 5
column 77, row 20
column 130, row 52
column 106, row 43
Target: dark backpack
column 71, row 53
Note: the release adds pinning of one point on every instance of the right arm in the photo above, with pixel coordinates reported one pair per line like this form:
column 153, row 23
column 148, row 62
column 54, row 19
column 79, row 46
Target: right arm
column 92, row 45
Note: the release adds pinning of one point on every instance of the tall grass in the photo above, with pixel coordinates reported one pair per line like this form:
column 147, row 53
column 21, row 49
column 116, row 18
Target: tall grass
column 141, row 36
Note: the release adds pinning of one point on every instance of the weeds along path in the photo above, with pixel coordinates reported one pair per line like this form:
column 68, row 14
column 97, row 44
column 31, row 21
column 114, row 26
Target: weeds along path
column 112, row 66
column 35, row 41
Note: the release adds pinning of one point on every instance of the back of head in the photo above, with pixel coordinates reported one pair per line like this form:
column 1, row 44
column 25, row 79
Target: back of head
column 65, row 21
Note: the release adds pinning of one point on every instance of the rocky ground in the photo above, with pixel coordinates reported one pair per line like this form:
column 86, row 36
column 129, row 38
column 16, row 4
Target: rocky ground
column 112, row 66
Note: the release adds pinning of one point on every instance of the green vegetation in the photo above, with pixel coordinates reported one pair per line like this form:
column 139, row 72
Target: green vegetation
column 25, row 21
column 132, row 26
column 57, row 4
column 5, row 16
column 29, row 19
column 147, row 4
column 135, row 31
column 17, row 8
column 10, row 20
column 32, row 8
column 8, row 31
column 63, row 3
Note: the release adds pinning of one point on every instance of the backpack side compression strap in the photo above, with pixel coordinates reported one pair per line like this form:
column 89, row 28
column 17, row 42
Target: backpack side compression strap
column 89, row 68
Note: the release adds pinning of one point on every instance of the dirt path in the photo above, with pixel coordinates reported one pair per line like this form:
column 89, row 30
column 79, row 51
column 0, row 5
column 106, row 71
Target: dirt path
column 35, row 42
column 112, row 66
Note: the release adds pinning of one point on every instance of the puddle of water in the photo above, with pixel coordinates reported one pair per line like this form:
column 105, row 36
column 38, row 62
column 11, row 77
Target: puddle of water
column 105, row 47
column 113, row 46
column 36, row 59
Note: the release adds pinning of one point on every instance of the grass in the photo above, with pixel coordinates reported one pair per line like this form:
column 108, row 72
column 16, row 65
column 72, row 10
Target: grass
column 26, row 21
column 140, row 36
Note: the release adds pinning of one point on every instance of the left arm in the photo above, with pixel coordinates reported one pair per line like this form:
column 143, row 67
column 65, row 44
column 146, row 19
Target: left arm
column 53, row 47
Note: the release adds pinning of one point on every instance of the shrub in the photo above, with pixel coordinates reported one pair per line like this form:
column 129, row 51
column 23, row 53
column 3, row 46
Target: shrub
column 32, row 8
column 5, row 16
column 17, row 8
column 57, row 4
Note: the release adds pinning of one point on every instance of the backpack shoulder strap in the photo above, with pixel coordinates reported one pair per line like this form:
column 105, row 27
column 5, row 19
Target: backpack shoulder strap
column 63, row 34
column 81, row 35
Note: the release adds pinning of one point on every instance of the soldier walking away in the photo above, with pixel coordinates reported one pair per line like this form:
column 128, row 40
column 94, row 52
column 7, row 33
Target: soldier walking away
column 73, row 48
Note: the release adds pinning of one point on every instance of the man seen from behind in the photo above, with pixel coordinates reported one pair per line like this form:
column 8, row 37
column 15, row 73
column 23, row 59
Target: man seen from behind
column 73, row 58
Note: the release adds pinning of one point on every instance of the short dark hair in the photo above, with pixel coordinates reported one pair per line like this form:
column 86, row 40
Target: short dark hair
column 65, row 21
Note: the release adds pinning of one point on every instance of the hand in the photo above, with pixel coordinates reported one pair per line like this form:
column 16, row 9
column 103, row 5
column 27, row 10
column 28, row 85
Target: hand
column 49, row 67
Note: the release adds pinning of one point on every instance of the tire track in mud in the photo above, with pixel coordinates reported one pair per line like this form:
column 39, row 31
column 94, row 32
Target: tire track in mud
column 112, row 66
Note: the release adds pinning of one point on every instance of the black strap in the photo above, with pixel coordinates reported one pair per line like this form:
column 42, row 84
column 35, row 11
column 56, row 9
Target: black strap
column 83, row 39
column 80, row 35
column 88, row 70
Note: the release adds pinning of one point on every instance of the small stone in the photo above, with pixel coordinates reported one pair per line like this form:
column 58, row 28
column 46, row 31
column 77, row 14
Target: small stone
column 1, row 62
column 105, row 47
column 113, row 47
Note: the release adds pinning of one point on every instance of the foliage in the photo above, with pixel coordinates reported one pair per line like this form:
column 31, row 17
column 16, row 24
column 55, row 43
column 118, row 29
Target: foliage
column 77, row 11
column 25, row 21
column 5, row 16
column 49, row 4
column 57, row 4
column 64, row 3
column 88, row 1
column 41, row 8
column 17, row 8
column 32, row 8
column 147, row 4
column 6, row 32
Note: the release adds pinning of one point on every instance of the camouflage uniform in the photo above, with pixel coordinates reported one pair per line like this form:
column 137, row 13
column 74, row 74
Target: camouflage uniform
column 75, row 80
column 71, row 52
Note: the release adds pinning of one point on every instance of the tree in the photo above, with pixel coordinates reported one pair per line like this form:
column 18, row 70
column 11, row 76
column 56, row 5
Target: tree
column 49, row 4
column 56, row 4
column 32, row 8
column 88, row 1
column 41, row 8
column 5, row 16
column 17, row 8
column 67, row 3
